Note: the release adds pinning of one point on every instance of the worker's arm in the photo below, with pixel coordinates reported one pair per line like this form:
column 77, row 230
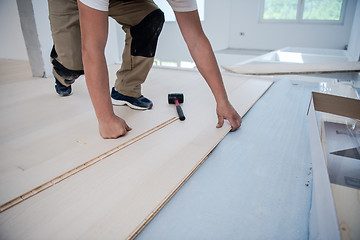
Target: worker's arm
column 203, row 55
column 94, row 31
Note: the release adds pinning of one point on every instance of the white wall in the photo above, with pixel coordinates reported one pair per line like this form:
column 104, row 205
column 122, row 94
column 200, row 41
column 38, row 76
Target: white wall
column 172, row 46
column 271, row 36
column 12, row 45
column 217, row 23
column 41, row 13
column 354, row 43
column 114, row 47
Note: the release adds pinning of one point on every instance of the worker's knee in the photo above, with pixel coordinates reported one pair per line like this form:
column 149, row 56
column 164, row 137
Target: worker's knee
column 145, row 34
column 68, row 74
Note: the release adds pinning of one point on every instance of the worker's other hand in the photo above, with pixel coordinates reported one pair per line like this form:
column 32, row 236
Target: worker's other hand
column 114, row 127
column 226, row 111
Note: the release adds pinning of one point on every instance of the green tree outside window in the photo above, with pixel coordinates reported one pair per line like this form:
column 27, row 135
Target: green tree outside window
column 322, row 10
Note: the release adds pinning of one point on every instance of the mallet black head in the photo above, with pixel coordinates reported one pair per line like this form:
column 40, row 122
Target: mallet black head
column 173, row 96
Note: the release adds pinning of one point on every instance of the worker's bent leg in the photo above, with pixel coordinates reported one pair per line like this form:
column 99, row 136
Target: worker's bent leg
column 66, row 54
column 142, row 22
column 62, row 74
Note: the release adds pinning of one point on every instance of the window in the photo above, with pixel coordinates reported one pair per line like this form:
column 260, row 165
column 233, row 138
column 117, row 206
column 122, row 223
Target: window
column 169, row 14
column 331, row 11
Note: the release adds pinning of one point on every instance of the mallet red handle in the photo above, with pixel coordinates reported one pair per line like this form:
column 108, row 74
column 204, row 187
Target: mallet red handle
column 179, row 110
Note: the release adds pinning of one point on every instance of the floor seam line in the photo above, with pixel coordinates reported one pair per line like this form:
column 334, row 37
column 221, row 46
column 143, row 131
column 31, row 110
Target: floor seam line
column 83, row 166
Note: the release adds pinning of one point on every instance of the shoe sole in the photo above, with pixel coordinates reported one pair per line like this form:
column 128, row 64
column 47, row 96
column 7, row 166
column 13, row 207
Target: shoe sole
column 122, row 103
column 64, row 95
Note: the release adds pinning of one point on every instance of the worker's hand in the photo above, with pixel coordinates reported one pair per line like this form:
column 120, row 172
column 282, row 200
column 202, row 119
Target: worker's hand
column 226, row 111
column 113, row 127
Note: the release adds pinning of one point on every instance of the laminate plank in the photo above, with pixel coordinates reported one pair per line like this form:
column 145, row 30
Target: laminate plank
column 294, row 68
column 43, row 136
column 348, row 210
column 118, row 196
column 14, row 69
column 128, row 187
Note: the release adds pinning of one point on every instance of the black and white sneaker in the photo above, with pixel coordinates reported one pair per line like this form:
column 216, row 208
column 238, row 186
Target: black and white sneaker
column 61, row 89
column 140, row 103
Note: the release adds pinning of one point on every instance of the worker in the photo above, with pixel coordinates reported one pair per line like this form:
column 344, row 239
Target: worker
column 142, row 22
column 93, row 16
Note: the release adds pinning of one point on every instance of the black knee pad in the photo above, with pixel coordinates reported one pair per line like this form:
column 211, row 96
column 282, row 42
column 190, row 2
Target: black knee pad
column 67, row 74
column 145, row 34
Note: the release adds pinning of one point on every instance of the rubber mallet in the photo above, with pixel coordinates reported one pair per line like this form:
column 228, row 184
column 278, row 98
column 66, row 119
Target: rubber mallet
column 177, row 98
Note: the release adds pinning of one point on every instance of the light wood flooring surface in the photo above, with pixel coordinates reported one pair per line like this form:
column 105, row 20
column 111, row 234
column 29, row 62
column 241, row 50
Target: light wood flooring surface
column 294, row 68
column 44, row 136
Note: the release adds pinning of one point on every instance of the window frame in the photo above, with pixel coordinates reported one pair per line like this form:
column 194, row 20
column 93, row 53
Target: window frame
column 299, row 15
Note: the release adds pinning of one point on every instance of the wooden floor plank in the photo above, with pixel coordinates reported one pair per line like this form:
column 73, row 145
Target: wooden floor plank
column 294, row 68
column 116, row 197
column 44, row 135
